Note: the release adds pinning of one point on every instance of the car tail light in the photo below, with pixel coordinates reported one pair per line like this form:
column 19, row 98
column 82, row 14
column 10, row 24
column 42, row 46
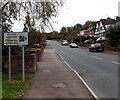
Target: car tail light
column 96, row 47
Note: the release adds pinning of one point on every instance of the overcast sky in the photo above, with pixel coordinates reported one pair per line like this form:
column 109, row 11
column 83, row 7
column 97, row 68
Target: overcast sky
column 80, row 11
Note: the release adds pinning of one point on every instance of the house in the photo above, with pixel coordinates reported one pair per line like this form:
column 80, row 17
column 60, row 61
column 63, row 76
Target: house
column 102, row 26
column 89, row 32
column 80, row 32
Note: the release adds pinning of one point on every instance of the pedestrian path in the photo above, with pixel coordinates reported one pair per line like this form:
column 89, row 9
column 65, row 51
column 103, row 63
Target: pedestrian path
column 54, row 79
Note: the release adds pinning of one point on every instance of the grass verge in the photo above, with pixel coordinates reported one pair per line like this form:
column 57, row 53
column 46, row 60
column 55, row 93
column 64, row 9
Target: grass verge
column 15, row 88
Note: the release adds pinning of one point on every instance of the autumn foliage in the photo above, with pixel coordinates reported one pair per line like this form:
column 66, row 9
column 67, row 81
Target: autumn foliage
column 35, row 37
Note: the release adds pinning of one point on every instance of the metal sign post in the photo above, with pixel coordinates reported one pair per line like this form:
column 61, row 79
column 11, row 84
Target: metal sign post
column 9, row 63
column 23, row 65
column 13, row 39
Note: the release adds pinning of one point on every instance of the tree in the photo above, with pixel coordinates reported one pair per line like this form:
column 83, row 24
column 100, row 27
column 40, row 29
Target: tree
column 41, row 12
column 89, row 24
column 63, row 32
column 36, row 14
column 48, row 36
column 35, row 37
column 9, row 12
column 69, row 38
column 71, row 30
column 113, row 35
column 54, row 34
column 29, row 24
column 117, row 18
column 78, row 26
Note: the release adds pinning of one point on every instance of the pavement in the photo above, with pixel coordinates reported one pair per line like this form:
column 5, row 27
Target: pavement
column 112, row 52
column 55, row 79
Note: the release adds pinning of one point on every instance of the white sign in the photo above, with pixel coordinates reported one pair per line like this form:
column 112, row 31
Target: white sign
column 16, row 38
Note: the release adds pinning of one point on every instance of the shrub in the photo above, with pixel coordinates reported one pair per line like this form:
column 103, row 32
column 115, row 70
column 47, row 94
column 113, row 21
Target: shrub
column 113, row 35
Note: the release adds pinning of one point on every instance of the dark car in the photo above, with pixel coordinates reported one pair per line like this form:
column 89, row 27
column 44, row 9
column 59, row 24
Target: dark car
column 96, row 47
column 36, row 46
column 88, row 41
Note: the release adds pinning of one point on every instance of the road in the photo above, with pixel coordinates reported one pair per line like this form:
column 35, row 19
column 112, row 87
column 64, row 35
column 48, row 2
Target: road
column 98, row 70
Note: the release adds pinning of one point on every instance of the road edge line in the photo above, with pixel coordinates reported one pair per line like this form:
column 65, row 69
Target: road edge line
column 89, row 89
column 94, row 95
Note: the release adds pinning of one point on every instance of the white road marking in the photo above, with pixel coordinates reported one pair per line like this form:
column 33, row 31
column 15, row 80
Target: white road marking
column 94, row 95
column 96, row 57
column 115, row 62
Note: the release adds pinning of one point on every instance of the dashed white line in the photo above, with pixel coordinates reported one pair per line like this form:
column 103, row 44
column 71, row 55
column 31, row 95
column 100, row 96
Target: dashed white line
column 96, row 57
column 115, row 62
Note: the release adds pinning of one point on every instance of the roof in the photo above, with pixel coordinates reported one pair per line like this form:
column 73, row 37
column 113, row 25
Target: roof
column 108, row 21
column 91, row 28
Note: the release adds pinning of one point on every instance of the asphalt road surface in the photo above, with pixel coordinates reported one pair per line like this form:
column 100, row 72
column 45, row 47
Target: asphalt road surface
column 99, row 70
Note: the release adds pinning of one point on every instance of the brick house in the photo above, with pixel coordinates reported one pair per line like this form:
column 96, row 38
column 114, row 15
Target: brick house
column 89, row 32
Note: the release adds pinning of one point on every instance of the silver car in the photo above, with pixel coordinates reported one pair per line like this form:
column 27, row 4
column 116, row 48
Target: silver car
column 64, row 42
column 73, row 45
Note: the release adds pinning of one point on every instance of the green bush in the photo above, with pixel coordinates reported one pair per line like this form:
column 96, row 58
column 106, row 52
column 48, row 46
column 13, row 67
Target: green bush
column 113, row 35
column 43, row 43
column 112, row 43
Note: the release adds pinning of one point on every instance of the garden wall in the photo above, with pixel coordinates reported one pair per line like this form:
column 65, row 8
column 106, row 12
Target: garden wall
column 113, row 49
column 16, row 64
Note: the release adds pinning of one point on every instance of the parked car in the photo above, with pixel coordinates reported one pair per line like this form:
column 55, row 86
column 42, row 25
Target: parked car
column 88, row 41
column 73, row 45
column 96, row 47
column 64, row 42
column 102, row 39
column 36, row 46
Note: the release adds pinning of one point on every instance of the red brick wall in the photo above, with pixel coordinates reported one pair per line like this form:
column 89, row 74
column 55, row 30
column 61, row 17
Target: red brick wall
column 16, row 63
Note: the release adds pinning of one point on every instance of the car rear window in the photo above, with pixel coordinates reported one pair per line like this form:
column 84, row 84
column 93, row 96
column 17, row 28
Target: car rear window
column 93, row 45
column 96, row 45
column 64, row 40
